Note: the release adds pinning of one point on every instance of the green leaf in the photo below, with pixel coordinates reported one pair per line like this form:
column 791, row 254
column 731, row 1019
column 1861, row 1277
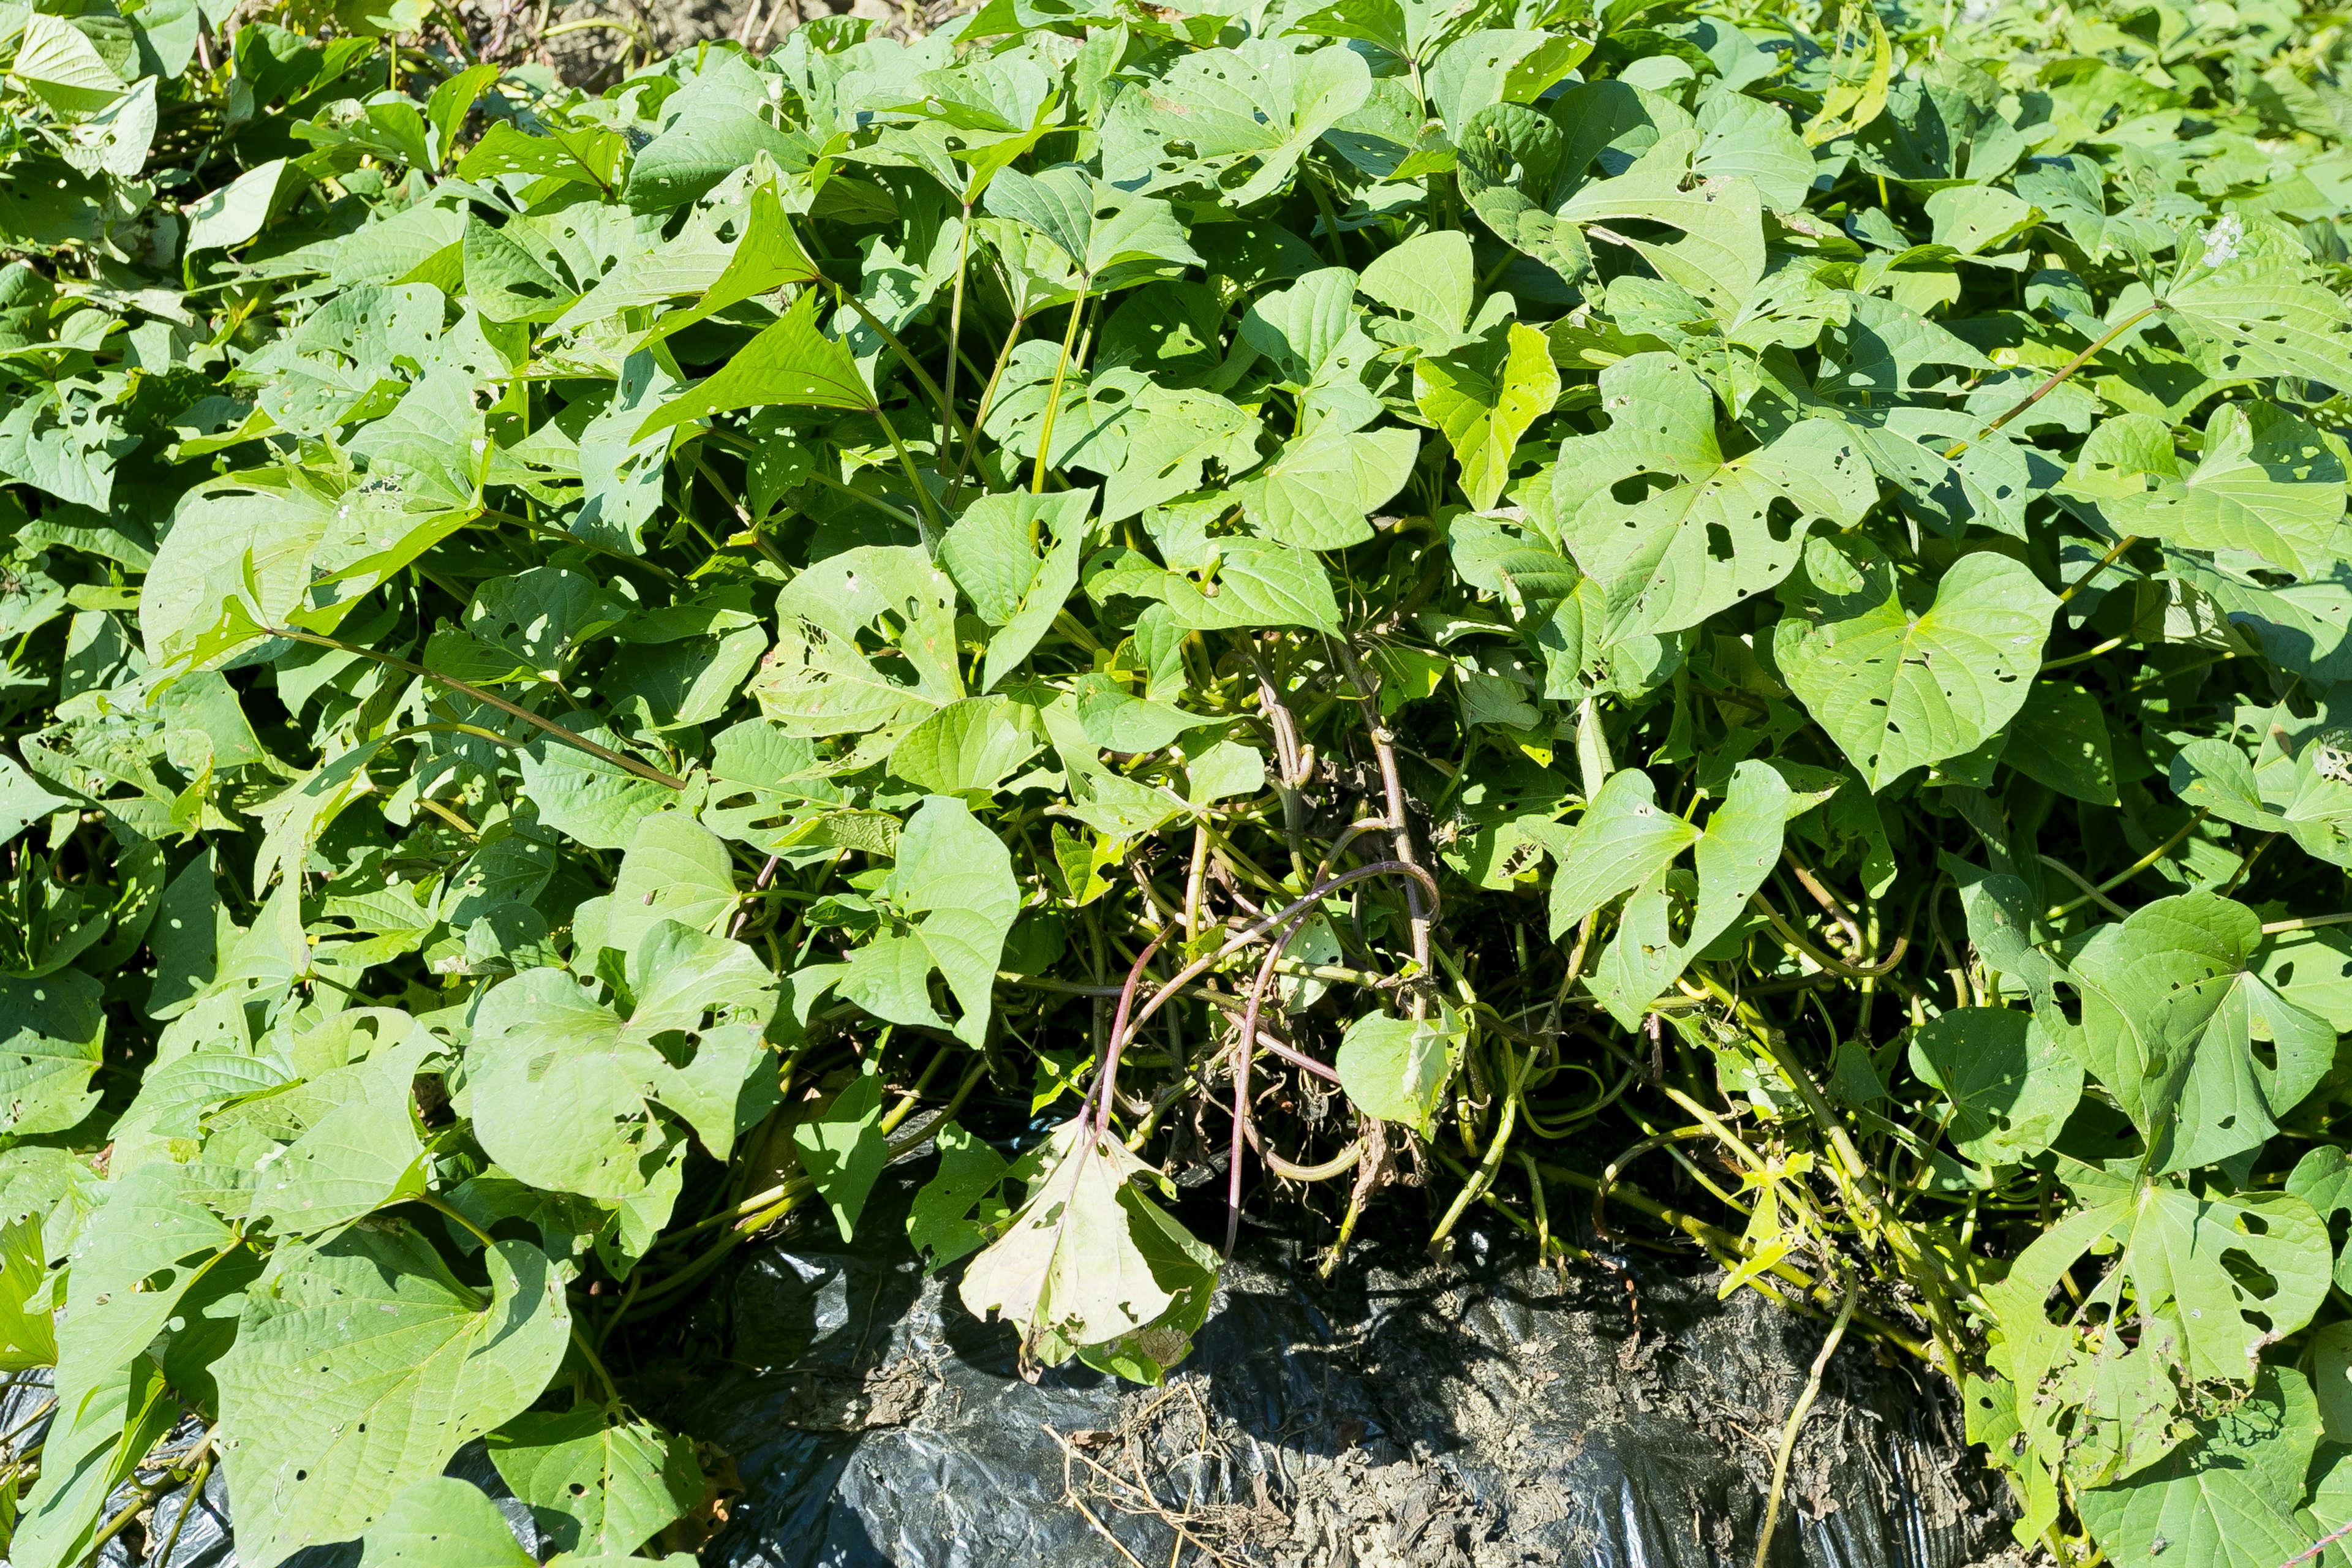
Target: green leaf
column 585, row 154
column 1256, row 582
column 992, row 551
column 1115, row 721
column 1492, row 65
column 1972, row 219
column 27, row 1323
column 711, row 128
column 1403, row 27
column 84, row 1460
column 2330, row 1356
column 2252, row 317
column 1223, row 771
column 1431, row 278
column 791, row 362
column 443, row 1522
column 972, row 745
column 1174, row 439
column 1746, row 136
column 2227, row 1497
column 1397, row 1069
column 1898, row 689
column 2265, row 483
column 359, row 1152
column 565, row 1089
column 2060, row 738
column 2176, row 1254
column 1721, row 535
column 2009, row 1085
column 1483, row 398
column 953, row 885
column 587, row 798
column 510, row 279
column 1318, row 493
column 1736, row 852
column 59, row 63
column 842, row 1148
column 767, row 257
column 594, row 1481
column 1221, row 109
column 940, row 1223
column 361, row 1366
column 236, row 212
column 142, row 1251
column 55, row 1034
column 1720, row 259
column 2171, row 1010
column 1089, row 1262
column 1097, row 224
column 2322, row 1178
column 1513, row 169
column 1314, row 337
column 675, row 869
column 1624, row 840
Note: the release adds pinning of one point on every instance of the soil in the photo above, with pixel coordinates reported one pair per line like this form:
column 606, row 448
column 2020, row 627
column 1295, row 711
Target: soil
column 593, row 42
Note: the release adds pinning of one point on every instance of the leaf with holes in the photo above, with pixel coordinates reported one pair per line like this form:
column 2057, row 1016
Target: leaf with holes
column 1899, row 688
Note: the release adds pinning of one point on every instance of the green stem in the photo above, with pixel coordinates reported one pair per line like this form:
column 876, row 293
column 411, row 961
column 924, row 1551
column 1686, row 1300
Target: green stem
column 1054, row 398
column 1491, row 1162
column 2100, row 565
column 906, row 357
column 588, row 1351
column 2057, row 378
column 901, row 514
column 2309, row 922
column 555, row 731
column 544, row 532
column 2129, row 872
column 448, row 1212
column 137, row 1504
column 1797, row 1418
column 955, row 313
column 742, row 513
column 923, row 496
column 2110, row 645
column 987, row 400
column 1313, row 180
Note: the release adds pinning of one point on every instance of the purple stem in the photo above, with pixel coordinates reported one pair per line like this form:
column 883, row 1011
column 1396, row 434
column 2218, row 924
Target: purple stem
column 1121, row 1028
column 1242, row 1056
column 1118, row 1028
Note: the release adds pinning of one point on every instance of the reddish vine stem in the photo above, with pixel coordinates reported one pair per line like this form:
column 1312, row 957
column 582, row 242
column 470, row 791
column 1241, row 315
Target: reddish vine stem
column 1254, row 932
column 1384, row 752
column 1242, row 1058
column 2317, row 1547
column 1118, row 1025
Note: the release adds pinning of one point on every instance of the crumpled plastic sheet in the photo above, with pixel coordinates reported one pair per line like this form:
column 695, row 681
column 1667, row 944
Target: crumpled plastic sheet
column 1480, row 1413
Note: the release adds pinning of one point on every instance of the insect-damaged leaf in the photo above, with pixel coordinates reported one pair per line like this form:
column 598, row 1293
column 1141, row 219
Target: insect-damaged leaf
column 1088, row 1263
column 361, row 1366
column 2196, row 1046
column 568, row 1091
column 594, row 1481
column 1483, row 398
column 1898, row 687
column 951, row 888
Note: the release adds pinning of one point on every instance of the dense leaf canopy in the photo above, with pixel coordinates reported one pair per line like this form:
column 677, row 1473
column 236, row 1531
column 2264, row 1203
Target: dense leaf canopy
column 1153, row 599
